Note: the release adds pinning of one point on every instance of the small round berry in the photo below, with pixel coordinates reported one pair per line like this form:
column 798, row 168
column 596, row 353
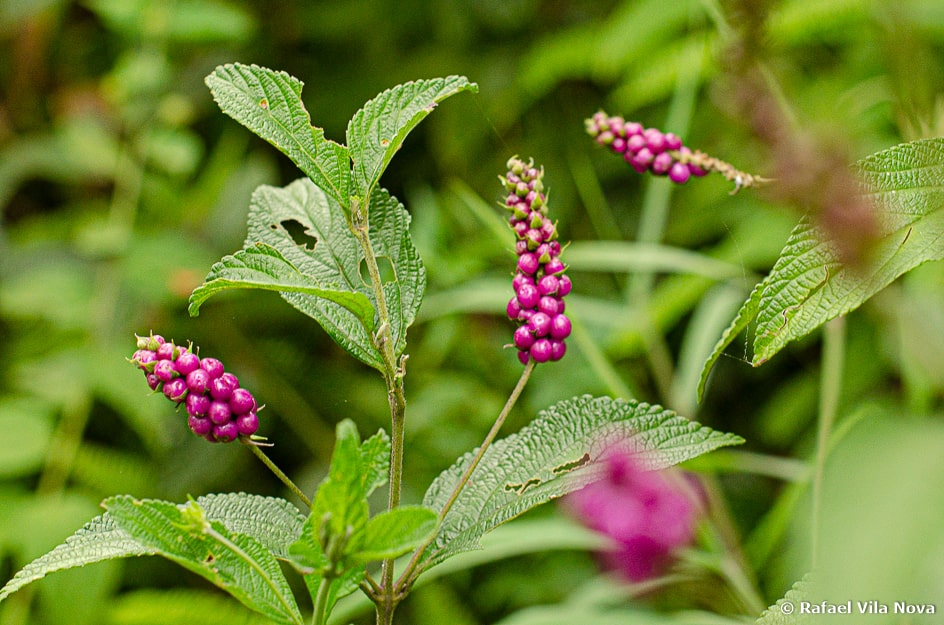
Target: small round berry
column 661, row 164
column 212, row 366
column 524, row 356
column 528, row 263
column 633, row 144
column 197, row 405
column 165, row 370
column 554, row 267
column 523, row 338
column 241, row 401
column 187, row 362
column 201, row 426
column 618, row 145
column 644, row 158
column 549, row 230
column 226, row 433
column 175, row 390
column 158, row 338
column 198, row 381
column 560, row 327
column 548, row 285
column 521, row 247
column 166, row 351
column 679, row 173
column 247, row 424
column 219, row 412
column 521, row 278
column 153, row 381
column 655, row 140
column 565, row 286
column 558, row 349
column 549, row 305
column 143, row 357
column 222, row 387
column 541, row 350
column 540, row 324
column 513, row 309
column 528, row 296
column 672, row 141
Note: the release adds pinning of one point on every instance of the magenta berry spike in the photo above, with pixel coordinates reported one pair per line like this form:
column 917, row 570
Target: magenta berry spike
column 662, row 154
column 217, row 408
column 539, row 283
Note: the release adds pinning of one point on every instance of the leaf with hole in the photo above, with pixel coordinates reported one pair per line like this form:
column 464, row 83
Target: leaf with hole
column 553, row 456
column 300, row 245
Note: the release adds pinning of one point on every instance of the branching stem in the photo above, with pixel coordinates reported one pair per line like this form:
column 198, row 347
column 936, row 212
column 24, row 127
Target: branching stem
column 413, row 568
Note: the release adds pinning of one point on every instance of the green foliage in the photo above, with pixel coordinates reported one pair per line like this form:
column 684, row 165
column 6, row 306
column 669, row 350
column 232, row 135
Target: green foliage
column 810, row 284
column 235, row 562
column 553, row 456
column 272, row 523
column 774, row 615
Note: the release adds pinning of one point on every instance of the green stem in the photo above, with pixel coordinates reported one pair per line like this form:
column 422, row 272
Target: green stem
column 321, row 602
column 412, row 569
column 834, row 347
column 279, row 473
column 393, row 373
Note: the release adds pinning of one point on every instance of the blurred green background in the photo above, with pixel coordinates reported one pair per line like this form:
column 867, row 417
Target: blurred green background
column 121, row 183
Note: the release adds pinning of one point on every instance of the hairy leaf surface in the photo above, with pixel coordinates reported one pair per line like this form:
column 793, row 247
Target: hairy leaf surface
column 237, row 563
column 810, row 285
column 319, row 271
column 269, row 104
column 274, row 523
column 376, row 132
column 553, row 456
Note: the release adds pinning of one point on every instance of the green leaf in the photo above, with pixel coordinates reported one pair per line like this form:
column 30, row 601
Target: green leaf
column 393, row 533
column 338, row 525
column 553, row 456
column 810, row 285
column 235, row 562
column 275, row 523
column 318, row 271
column 263, row 267
column 269, row 104
column 377, row 131
column 776, row 615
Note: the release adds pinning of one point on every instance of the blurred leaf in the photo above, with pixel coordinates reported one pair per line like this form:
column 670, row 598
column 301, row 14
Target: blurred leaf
column 178, row 607
column 377, row 131
column 181, row 20
column 237, row 563
column 269, row 104
column 553, row 456
column 775, row 615
column 809, row 284
column 27, row 425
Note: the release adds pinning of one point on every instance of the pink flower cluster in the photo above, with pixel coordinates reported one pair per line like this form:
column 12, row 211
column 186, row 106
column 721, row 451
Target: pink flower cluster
column 646, row 514
column 217, row 408
column 540, row 284
column 646, row 149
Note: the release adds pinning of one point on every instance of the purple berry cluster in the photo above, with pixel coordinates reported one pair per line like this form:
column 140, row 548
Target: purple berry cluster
column 646, row 514
column 217, row 408
column 540, row 284
column 646, row 149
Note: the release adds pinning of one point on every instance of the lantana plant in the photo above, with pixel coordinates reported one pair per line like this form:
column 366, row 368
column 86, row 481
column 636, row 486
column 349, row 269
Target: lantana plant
column 331, row 537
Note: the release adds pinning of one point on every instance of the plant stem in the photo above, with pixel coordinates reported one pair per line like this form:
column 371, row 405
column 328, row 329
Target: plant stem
column 321, row 602
column 393, row 373
column 834, row 347
column 412, row 569
column 279, row 473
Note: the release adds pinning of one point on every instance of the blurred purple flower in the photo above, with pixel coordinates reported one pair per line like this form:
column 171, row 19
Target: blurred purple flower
column 647, row 514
